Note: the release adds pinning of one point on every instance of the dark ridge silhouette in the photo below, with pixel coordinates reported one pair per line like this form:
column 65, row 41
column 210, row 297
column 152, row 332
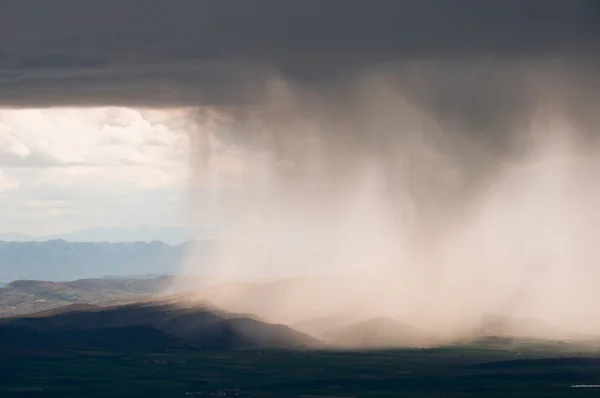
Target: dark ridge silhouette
column 137, row 337
column 151, row 324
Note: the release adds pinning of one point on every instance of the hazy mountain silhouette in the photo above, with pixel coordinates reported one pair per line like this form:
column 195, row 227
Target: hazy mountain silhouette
column 377, row 332
column 290, row 300
column 322, row 325
column 144, row 233
column 498, row 325
column 58, row 260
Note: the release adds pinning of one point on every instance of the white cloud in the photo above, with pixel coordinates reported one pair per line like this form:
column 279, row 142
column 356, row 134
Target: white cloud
column 46, row 204
column 63, row 160
column 104, row 144
column 6, row 184
column 90, row 136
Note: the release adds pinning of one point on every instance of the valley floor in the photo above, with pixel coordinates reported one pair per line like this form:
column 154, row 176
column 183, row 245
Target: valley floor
column 454, row 371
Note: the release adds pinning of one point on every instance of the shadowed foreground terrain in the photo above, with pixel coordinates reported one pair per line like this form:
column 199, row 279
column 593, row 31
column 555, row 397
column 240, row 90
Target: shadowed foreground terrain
column 170, row 347
column 164, row 324
column 481, row 369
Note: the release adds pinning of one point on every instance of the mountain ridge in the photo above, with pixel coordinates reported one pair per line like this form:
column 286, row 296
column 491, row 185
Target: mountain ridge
column 142, row 233
column 154, row 324
column 61, row 260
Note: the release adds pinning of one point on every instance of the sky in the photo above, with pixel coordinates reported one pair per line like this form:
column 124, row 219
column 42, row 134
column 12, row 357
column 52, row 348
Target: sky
column 439, row 151
column 63, row 169
column 95, row 96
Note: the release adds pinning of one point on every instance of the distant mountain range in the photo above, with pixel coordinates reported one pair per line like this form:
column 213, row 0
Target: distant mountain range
column 169, row 235
column 59, row 260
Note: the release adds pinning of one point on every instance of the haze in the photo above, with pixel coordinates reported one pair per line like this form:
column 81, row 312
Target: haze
column 435, row 213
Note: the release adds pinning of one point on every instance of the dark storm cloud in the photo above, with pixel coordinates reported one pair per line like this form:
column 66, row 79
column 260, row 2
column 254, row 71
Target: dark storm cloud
column 217, row 52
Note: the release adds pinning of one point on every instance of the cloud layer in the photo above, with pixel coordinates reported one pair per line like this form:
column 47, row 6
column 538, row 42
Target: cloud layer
column 149, row 52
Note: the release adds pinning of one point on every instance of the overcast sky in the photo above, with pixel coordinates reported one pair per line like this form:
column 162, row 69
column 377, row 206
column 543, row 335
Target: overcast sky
column 118, row 164
column 204, row 51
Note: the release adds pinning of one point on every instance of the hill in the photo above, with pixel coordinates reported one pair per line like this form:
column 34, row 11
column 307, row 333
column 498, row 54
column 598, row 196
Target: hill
column 58, row 260
column 26, row 296
column 29, row 296
column 151, row 324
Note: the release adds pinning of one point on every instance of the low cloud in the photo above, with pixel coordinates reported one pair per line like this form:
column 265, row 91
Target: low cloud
column 6, row 184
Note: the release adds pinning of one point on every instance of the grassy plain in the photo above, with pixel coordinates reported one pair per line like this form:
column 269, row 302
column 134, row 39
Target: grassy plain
column 482, row 369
